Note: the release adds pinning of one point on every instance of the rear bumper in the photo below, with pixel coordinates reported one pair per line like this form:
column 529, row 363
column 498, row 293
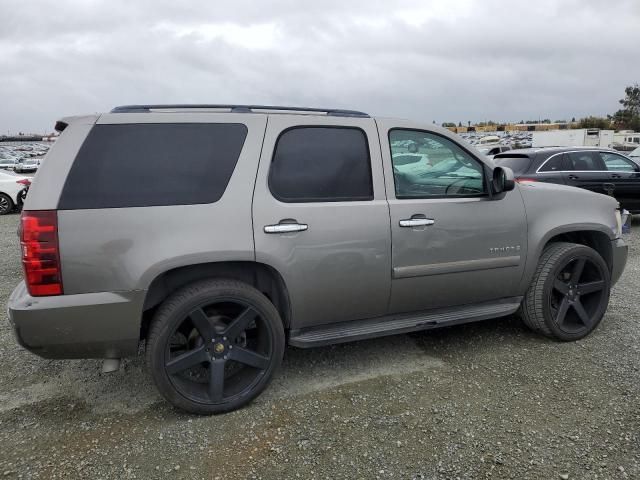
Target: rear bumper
column 91, row 325
column 620, row 252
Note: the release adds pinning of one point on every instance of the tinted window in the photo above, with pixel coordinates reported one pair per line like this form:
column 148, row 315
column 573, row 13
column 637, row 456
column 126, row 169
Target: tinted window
column 321, row 164
column 553, row 164
column 585, row 161
column 139, row 165
column 516, row 162
column 441, row 167
column 618, row 163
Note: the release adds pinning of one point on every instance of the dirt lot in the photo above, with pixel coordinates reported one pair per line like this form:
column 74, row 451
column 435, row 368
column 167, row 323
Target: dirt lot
column 487, row 400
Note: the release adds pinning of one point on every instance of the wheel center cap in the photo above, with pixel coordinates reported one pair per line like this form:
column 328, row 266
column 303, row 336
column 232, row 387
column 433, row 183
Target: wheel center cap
column 218, row 348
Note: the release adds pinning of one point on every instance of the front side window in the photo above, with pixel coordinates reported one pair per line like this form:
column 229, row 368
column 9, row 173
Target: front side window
column 429, row 165
column 618, row 163
column 585, row 161
column 321, row 164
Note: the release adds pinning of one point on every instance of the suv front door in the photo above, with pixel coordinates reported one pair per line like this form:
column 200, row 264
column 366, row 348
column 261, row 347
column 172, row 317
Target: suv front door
column 320, row 217
column 624, row 174
column 453, row 243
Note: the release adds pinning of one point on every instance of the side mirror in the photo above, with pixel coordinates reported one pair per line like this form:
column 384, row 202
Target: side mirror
column 503, row 180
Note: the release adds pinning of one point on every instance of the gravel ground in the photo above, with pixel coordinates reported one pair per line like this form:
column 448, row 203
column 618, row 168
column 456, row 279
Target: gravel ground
column 485, row 400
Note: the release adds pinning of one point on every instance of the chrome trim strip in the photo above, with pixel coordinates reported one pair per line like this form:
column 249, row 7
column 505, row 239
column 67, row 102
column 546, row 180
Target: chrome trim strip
column 455, row 267
column 584, row 171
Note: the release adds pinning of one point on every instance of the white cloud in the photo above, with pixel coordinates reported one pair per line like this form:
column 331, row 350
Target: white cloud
column 434, row 60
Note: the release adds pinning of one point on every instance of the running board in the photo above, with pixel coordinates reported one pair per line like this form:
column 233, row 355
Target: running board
column 402, row 323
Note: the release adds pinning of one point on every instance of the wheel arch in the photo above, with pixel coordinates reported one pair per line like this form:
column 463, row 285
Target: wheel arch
column 259, row 275
column 595, row 236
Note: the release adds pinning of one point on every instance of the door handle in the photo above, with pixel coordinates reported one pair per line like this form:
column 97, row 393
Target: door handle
column 616, row 175
column 573, row 177
column 608, row 188
column 417, row 222
column 286, row 228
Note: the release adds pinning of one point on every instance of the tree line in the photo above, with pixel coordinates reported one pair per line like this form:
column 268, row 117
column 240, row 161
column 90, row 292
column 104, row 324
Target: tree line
column 626, row 118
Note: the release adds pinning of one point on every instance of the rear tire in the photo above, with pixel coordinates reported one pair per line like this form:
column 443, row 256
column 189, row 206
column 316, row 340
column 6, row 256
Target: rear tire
column 214, row 346
column 569, row 293
column 6, row 204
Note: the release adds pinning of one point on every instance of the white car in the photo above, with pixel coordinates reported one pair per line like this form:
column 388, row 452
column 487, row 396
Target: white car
column 13, row 190
column 29, row 165
column 7, row 163
column 635, row 154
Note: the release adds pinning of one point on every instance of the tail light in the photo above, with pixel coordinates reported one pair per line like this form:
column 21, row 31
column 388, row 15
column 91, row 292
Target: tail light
column 25, row 181
column 525, row 179
column 40, row 252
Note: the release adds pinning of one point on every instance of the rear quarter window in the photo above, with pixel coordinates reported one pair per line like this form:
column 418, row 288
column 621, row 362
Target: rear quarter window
column 141, row 165
column 519, row 163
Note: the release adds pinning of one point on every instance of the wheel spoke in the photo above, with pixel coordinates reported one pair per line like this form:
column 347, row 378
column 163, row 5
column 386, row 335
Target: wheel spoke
column 590, row 287
column 202, row 324
column 240, row 323
column 560, row 286
column 216, row 380
column 576, row 273
column 562, row 311
column 249, row 357
column 186, row 360
column 582, row 313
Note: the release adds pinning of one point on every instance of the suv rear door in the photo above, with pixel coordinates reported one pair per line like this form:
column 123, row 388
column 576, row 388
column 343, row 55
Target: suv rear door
column 585, row 169
column 320, row 217
column 452, row 243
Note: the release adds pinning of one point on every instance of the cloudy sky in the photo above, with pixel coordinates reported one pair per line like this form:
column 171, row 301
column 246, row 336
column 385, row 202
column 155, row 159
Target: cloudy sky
column 426, row 60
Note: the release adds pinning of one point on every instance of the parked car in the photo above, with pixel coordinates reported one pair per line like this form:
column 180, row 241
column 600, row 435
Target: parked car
column 494, row 150
column 27, row 165
column 599, row 170
column 7, row 163
column 635, row 154
column 13, row 191
column 285, row 228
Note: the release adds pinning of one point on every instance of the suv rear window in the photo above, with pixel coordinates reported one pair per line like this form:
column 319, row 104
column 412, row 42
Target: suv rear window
column 519, row 163
column 153, row 164
column 321, row 164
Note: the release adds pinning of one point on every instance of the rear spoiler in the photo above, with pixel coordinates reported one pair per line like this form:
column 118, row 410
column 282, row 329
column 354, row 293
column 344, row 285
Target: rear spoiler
column 61, row 125
column 66, row 121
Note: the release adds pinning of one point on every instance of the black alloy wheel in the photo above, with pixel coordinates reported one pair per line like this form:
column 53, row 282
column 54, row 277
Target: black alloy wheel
column 578, row 295
column 215, row 346
column 569, row 293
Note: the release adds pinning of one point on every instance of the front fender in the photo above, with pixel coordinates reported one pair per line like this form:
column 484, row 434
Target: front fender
column 554, row 210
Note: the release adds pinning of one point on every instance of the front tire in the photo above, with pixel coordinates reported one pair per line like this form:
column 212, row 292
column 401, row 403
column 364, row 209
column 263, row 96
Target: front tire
column 214, row 346
column 569, row 293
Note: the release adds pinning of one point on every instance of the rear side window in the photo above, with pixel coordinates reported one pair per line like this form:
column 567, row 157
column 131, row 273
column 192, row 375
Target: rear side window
column 153, row 164
column 516, row 162
column 585, row 161
column 321, row 164
column 553, row 164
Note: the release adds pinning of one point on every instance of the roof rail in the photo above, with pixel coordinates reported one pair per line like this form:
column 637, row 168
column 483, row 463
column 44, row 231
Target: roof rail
column 237, row 109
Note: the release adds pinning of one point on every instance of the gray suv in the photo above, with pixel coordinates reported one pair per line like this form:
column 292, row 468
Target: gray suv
column 217, row 234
